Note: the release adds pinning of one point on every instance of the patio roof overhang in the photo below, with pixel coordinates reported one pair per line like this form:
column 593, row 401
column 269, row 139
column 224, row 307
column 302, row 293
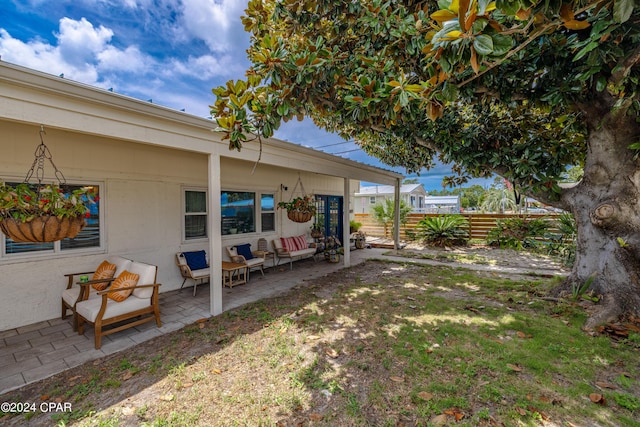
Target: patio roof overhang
column 33, row 97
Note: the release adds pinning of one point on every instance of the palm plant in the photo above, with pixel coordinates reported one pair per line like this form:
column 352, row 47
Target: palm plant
column 384, row 213
column 443, row 230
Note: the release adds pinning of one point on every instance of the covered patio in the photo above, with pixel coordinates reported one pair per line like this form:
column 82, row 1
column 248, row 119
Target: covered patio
column 164, row 179
column 37, row 351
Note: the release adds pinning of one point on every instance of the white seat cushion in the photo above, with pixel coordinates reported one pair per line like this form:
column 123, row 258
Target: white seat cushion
column 147, row 273
column 200, row 274
column 70, row 296
column 89, row 309
column 254, row 261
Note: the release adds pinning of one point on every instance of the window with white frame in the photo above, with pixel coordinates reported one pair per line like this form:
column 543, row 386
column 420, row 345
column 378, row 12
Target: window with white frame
column 372, row 200
column 267, row 212
column 90, row 238
column 195, row 214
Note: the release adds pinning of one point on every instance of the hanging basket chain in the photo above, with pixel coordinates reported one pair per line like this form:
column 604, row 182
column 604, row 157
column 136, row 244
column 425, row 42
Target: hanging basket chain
column 299, row 209
column 38, row 212
column 42, row 154
column 296, row 186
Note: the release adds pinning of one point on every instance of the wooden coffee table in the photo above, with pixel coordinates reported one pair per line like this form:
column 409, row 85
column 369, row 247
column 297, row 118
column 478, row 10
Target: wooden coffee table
column 231, row 269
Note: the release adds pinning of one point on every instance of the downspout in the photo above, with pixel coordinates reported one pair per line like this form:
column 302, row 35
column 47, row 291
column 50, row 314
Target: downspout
column 396, row 219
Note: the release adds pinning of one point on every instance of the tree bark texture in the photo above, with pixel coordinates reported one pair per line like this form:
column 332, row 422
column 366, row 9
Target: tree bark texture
column 606, row 207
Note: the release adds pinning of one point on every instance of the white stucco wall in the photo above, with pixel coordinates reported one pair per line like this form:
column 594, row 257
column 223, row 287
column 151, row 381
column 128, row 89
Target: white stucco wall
column 141, row 195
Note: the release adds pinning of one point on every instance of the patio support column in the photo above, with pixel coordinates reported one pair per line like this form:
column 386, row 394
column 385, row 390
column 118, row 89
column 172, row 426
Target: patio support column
column 215, row 232
column 396, row 215
column 346, row 204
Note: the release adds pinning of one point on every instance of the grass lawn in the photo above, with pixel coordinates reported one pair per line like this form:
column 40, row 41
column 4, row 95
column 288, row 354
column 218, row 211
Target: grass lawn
column 379, row 344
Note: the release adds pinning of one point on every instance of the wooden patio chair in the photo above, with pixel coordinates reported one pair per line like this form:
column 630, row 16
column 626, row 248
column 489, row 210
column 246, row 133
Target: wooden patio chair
column 131, row 300
column 77, row 291
column 193, row 265
column 242, row 254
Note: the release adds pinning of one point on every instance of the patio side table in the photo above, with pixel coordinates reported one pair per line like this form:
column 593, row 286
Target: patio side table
column 230, row 269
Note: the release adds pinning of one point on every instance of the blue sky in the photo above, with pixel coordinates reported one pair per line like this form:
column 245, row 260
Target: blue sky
column 172, row 52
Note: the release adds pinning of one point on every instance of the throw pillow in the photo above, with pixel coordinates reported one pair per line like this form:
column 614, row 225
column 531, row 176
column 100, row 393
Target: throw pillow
column 124, row 280
column 288, row 243
column 196, row 260
column 245, row 251
column 301, row 242
column 105, row 270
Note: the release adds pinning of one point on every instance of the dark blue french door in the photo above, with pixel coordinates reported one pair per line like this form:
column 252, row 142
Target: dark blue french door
column 329, row 215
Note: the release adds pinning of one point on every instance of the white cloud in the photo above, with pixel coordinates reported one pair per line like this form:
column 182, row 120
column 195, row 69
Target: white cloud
column 129, row 60
column 206, row 67
column 79, row 42
column 217, row 23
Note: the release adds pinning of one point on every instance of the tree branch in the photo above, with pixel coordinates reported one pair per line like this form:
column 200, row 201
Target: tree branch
column 626, row 66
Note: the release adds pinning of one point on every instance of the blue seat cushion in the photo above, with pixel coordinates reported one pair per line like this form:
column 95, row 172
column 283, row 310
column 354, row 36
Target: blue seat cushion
column 245, row 251
column 196, row 260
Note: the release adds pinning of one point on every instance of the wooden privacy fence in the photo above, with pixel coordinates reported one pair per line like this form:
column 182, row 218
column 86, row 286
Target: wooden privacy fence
column 479, row 223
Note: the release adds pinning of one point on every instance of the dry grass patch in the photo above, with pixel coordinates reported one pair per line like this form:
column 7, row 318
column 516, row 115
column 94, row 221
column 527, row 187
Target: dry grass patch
column 380, row 344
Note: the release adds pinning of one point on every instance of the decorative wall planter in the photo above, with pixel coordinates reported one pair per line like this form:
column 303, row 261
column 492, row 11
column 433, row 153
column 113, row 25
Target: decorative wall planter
column 42, row 229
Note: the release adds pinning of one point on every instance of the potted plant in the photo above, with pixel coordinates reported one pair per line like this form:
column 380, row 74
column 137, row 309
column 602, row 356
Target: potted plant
column 43, row 212
column 300, row 209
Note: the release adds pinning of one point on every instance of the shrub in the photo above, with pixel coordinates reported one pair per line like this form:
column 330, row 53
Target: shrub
column 517, row 233
column 354, row 226
column 443, row 230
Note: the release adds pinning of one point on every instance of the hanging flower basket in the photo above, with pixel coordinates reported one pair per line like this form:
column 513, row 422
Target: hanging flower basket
column 300, row 209
column 39, row 212
column 316, row 233
column 42, row 229
column 298, row 216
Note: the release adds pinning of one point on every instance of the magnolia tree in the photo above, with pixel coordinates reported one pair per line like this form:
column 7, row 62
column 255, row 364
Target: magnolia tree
column 519, row 88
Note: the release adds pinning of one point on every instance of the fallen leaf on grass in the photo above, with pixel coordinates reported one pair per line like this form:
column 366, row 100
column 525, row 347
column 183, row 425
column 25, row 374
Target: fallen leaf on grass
column 397, row 379
column 603, row 384
column 521, row 411
column 315, row 417
column 331, row 353
column 440, row 419
column 127, row 375
column 424, row 395
column 513, row 367
column 187, row 385
column 217, row 371
column 471, row 309
column 166, row 397
column 312, row 337
column 598, row 398
column 523, row 335
column 44, row 397
column 544, row 416
column 454, row 413
column 201, row 325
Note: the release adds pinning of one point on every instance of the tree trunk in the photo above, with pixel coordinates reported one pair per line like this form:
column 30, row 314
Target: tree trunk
column 606, row 207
